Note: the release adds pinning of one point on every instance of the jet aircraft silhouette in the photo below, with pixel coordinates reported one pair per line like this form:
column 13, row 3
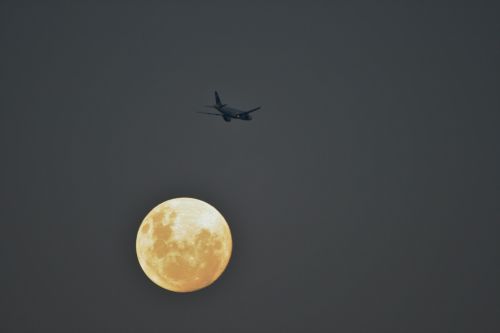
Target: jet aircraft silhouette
column 228, row 113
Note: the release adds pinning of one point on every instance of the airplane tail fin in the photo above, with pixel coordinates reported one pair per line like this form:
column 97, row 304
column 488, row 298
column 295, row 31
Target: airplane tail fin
column 217, row 99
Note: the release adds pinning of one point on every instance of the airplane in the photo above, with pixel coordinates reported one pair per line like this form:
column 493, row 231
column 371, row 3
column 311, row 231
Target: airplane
column 228, row 113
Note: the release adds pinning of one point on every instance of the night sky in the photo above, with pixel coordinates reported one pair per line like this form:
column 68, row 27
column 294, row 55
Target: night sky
column 363, row 197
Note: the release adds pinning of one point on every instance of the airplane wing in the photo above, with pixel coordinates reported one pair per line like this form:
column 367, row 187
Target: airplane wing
column 253, row 110
column 210, row 113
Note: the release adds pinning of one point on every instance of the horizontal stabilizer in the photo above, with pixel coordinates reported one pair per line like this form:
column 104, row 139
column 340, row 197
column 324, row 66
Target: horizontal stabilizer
column 215, row 106
column 212, row 114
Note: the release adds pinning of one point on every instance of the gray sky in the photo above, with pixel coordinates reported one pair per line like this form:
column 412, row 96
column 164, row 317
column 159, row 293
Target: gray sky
column 363, row 197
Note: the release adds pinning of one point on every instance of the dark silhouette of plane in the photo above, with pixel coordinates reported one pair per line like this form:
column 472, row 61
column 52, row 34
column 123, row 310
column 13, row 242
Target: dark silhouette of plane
column 227, row 112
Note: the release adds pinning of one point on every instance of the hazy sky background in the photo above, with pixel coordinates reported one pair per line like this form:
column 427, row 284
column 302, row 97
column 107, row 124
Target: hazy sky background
column 363, row 197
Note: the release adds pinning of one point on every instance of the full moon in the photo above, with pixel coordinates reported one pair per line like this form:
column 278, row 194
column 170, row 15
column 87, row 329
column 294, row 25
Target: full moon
column 183, row 244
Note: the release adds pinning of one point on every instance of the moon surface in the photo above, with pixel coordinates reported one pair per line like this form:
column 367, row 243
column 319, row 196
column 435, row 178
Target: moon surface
column 183, row 244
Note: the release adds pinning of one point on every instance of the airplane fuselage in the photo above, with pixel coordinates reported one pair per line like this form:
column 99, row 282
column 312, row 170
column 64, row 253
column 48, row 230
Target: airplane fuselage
column 229, row 112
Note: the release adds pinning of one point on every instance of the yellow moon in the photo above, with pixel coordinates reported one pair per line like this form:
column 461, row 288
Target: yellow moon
column 183, row 244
